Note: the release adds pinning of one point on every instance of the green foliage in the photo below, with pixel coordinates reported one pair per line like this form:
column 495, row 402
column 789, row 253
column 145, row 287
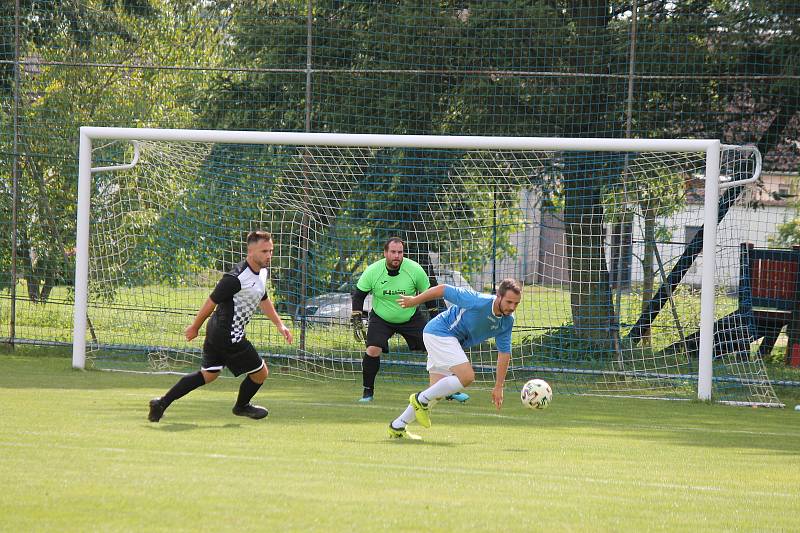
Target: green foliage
column 82, row 24
column 153, row 35
column 357, row 101
column 788, row 234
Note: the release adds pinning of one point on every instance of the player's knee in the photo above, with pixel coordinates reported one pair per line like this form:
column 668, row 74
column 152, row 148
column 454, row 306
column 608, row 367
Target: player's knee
column 260, row 375
column 467, row 377
column 374, row 351
column 209, row 376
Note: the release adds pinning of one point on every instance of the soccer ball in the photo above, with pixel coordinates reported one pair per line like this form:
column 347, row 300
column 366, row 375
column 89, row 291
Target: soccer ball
column 536, row 394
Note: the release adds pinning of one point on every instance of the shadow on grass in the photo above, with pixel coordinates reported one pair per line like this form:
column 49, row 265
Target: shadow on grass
column 294, row 403
column 425, row 442
column 174, row 427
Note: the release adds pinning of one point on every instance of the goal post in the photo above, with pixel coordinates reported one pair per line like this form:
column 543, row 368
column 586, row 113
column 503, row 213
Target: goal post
column 312, row 183
column 709, row 286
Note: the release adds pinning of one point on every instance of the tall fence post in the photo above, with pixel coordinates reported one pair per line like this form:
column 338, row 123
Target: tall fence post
column 12, row 325
column 309, row 49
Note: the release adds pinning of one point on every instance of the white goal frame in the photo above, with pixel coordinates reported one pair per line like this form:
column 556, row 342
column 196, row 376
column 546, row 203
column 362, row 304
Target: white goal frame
column 713, row 185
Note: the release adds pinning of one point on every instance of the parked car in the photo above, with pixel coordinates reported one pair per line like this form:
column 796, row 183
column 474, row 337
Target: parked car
column 335, row 307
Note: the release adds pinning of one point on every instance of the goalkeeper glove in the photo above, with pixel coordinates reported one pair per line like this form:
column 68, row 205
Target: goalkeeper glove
column 358, row 326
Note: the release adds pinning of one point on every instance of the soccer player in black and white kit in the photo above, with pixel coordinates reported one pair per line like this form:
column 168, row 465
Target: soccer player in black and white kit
column 233, row 302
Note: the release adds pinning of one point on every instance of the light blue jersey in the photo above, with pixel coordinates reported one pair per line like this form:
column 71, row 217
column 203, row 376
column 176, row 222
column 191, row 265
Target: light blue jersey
column 471, row 321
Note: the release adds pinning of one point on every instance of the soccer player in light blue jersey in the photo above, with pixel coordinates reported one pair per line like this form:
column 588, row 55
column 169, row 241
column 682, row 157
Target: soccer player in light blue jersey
column 472, row 318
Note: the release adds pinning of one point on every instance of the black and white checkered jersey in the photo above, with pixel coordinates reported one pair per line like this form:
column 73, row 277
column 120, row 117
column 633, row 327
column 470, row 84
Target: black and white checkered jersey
column 237, row 296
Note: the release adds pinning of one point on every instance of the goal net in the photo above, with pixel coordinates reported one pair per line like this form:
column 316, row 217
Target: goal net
column 606, row 235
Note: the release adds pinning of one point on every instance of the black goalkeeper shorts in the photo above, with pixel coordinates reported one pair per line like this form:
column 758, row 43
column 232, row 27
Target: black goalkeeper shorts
column 380, row 331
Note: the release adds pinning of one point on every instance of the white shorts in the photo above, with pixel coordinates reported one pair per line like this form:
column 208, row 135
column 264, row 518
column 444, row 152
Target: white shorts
column 443, row 354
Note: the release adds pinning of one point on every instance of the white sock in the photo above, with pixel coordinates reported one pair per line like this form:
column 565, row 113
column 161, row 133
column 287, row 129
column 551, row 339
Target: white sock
column 405, row 419
column 440, row 389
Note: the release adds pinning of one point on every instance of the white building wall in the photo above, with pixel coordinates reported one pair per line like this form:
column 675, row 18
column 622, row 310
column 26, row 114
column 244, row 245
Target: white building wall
column 738, row 226
column 527, row 243
column 541, row 251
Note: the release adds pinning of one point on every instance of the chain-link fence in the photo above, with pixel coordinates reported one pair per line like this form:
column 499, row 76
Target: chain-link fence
column 567, row 68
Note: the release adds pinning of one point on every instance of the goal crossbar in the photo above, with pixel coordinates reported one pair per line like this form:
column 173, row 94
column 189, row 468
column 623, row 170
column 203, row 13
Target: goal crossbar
column 357, row 140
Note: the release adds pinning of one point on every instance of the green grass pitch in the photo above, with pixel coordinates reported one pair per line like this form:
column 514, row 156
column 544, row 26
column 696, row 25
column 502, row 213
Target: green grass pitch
column 78, row 454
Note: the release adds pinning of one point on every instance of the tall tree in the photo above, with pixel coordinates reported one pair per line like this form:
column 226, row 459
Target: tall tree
column 65, row 58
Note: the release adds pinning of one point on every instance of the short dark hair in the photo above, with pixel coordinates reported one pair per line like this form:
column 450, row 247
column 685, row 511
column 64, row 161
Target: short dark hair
column 258, row 235
column 509, row 284
column 391, row 240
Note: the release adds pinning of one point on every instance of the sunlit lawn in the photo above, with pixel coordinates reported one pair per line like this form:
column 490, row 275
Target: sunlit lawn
column 79, row 454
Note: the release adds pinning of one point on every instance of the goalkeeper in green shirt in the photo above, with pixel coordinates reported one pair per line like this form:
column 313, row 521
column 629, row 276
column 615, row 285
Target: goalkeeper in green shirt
column 388, row 279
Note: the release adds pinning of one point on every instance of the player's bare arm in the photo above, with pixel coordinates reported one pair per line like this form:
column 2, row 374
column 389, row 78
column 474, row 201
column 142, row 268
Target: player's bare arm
column 503, row 360
column 269, row 310
column 413, row 301
column 205, row 311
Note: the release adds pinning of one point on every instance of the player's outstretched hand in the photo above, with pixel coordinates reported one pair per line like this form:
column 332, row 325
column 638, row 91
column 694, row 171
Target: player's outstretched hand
column 405, row 301
column 190, row 333
column 357, row 321
column 287, row 334
column 497, row 398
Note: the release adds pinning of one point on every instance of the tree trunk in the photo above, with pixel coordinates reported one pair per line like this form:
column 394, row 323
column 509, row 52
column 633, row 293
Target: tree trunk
column 591, row 302
column 590, row 290
column 50, row 263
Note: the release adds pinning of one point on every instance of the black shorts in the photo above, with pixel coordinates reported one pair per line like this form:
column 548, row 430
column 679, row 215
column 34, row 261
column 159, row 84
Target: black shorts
column 240, row 358
column 380, row 331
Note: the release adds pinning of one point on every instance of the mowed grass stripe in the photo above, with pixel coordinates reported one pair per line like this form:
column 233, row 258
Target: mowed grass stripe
column 740, row 491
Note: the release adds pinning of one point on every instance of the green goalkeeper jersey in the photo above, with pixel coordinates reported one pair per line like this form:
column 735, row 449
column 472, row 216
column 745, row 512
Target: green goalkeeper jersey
column 410, row 280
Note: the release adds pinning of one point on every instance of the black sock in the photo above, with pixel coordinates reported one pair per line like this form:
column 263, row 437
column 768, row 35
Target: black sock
column 370, row 367
column 184, row 386
column 247, row 390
